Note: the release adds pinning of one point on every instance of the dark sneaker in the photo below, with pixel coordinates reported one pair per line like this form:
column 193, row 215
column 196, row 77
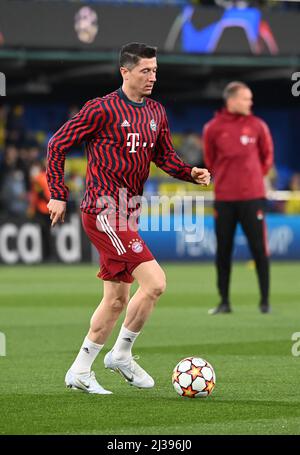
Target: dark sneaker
column 264, row 307
column 222, row 308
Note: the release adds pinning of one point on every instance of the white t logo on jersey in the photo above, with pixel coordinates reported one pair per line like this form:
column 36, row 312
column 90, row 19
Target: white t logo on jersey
column 134, row 142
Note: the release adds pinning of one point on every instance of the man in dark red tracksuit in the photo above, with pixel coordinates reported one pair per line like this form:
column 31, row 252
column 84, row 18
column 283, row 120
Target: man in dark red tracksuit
column 238, row 151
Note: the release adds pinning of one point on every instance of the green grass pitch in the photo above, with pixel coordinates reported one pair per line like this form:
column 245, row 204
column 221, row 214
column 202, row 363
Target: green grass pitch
column 45, row 312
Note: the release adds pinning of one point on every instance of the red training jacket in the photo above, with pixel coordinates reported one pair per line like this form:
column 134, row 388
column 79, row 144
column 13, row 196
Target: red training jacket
column 238, row 151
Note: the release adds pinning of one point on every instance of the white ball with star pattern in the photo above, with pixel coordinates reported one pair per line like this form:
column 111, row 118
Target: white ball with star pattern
column 193, row 377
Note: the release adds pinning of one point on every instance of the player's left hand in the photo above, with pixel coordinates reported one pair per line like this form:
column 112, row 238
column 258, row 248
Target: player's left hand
column 201, row 176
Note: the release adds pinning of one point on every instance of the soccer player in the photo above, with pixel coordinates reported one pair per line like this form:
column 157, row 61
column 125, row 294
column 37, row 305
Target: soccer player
column 123, row 131
column 238, row 149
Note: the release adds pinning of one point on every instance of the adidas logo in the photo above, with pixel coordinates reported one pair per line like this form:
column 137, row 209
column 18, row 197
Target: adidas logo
column 125, row 124
column 127, row 339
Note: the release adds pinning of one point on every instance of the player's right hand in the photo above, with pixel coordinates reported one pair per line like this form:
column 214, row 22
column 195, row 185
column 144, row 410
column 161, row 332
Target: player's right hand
column 201, row 176
column 57, row 211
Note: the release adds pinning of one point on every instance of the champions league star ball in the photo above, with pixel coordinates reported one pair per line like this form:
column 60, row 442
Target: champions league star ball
column 193, row 377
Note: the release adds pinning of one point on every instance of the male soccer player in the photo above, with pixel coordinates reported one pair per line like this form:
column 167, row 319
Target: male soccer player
column 124, row 131
column 238, row 149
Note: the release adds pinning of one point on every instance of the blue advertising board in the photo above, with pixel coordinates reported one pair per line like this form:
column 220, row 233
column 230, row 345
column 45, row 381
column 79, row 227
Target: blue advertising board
column 21, row 241
column 283, row 241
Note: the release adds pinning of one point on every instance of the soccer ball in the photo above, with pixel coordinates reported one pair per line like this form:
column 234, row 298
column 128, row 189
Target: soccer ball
column 193, row 377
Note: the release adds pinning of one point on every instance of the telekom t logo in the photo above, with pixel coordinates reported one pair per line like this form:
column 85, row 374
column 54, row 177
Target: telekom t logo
column 135, row 141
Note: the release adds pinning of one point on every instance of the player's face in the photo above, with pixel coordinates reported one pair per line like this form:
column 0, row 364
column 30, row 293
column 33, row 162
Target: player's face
column 242, row 102
column 142, row 77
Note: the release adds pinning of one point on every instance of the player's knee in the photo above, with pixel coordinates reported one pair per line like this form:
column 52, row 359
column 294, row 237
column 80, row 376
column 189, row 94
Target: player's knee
column 160, row 287
column 157, row 287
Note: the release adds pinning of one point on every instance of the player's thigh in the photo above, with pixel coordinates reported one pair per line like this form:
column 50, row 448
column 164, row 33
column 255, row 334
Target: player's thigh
column 149, row 274
column 116, row 291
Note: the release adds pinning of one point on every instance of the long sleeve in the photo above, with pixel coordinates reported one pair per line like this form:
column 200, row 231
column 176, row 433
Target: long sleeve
column 209, row 151
column 75, row 131
column 166, row 158
column 266, row 148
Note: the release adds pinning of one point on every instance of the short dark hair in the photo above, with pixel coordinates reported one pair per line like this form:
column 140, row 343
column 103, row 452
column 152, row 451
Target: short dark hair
column 131, row 54
column 232, row 88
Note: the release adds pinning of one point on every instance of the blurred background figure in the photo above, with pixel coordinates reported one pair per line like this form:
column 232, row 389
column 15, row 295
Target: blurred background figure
column 39, row 197
column 292, row 206
column 191, row 149
column 3, row 126
column 16, row 125
column 13, row 188
column 239, row 153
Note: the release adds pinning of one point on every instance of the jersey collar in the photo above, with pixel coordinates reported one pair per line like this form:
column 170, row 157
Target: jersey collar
column 128, row 101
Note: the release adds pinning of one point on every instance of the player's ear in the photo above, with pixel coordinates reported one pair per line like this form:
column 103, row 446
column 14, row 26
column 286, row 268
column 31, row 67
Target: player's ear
column 124, row 72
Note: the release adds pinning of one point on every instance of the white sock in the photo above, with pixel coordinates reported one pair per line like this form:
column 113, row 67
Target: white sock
column 124, row 343
column 86, row 356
